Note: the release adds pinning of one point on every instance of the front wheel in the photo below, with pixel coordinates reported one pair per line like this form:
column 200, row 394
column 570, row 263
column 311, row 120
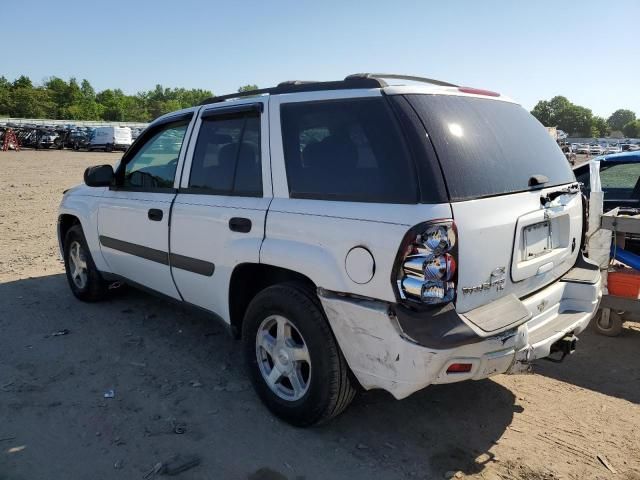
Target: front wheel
column 84, row 279
column 294, row 362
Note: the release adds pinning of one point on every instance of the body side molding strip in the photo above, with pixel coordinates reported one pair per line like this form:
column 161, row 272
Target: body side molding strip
column 182, row 262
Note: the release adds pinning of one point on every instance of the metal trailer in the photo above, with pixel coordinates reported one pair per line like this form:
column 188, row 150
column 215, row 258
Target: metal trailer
column 615, row 310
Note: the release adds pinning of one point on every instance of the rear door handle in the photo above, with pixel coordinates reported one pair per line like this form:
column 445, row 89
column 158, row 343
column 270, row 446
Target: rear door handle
column 239, row 224
column 155, row 214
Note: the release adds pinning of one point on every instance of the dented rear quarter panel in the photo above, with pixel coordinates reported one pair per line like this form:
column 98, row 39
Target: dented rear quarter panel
column 313, row 237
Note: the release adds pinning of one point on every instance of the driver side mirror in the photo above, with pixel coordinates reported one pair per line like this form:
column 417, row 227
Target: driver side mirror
column 98, row 176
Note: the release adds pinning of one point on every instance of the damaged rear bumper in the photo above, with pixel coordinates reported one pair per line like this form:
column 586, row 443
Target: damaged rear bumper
column 382, row 355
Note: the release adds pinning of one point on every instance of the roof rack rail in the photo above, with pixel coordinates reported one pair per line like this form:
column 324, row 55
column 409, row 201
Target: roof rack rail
column 296, row 82
column 381, row 76
column 295, row 86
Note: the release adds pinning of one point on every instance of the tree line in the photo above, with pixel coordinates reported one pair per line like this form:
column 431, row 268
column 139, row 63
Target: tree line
column 73, row 100
column 580, row 121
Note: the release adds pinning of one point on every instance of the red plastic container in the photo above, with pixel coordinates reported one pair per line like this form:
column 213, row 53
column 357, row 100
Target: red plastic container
column 624, row 284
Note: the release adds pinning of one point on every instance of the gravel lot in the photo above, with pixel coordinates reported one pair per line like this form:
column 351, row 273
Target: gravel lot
column 179, row 386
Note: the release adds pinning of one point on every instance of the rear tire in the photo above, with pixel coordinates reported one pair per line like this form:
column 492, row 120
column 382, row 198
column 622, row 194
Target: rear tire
column 321, row 374
column 84, row 279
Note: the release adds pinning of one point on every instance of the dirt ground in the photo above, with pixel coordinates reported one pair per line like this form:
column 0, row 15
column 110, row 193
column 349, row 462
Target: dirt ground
column 179, row 386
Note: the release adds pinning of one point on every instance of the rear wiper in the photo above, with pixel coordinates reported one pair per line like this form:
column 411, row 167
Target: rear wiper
column 538, row 180
column 551, row 196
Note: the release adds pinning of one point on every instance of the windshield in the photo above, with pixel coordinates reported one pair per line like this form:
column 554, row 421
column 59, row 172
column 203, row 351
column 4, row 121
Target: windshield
column 488, row 147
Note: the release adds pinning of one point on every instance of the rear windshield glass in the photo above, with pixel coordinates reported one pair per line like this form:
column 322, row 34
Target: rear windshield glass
column 488, row 147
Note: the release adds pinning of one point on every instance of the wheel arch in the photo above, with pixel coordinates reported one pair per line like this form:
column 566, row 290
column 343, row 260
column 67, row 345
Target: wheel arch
column 249, row 279
column 65, row 222
column 80, row 207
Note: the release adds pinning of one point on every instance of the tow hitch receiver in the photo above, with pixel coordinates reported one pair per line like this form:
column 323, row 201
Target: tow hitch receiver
column 566, row 346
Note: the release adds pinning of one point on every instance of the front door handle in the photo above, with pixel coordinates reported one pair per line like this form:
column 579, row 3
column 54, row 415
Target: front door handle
column 155, row 214
column 239, row 224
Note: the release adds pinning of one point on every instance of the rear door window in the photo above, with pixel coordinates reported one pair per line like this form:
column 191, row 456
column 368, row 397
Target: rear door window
column 489, row 147
column 226, row 160
column 349, row 150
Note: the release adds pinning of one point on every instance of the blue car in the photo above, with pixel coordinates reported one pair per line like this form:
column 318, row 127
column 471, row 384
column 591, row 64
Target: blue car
column 620, row 178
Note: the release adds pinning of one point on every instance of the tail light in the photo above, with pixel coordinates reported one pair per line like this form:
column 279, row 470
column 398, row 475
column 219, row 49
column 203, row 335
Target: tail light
column 425, row 270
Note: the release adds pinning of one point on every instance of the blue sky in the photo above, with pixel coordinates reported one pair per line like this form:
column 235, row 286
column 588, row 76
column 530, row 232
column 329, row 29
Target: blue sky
column 586, row 50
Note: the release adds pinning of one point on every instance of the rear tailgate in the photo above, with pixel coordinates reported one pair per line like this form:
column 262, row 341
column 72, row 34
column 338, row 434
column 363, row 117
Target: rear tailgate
column 511, row 244
column 500, row 165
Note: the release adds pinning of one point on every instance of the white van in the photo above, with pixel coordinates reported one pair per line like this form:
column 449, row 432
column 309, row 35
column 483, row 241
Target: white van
column 111, row 138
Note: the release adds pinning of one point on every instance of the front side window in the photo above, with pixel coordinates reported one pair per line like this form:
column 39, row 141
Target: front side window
column 153, row 165
column 349, row 150
column 226, row 160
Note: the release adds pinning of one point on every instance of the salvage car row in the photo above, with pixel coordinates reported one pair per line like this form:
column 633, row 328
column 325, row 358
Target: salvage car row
column 106, row 138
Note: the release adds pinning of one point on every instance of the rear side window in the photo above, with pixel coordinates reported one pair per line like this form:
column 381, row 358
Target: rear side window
column 226, row 160
column 350, row 150
column 489, row 147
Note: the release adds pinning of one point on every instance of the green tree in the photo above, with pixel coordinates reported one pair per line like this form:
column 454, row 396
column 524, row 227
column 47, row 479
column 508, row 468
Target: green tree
column 543, row 112
column 22, row 82
column 632, row 129
column 162, row 100
column 113, row 104
column 560, row 112
column 59, row 93
column 87, row 90
column 248, row 88
column 620, row 118
column 32, row 103
column 5, row 96
column 58, row 98
column 599, row 127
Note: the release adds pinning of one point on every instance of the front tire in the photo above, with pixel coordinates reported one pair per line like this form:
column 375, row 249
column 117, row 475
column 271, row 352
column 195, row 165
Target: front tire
column 84, row 279
column 294, row 362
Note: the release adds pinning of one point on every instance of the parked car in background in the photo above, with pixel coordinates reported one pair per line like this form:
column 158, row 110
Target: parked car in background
column 45, row 139
column 620, row 179
column 110, row 138
column 79, row 139
column 569, row 153
column 596, row 149
column 583, row 149
column 619, row 176
column 612, row 148
column 327, row 225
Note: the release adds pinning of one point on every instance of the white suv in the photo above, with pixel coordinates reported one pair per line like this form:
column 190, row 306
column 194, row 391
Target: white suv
column 352, row 233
